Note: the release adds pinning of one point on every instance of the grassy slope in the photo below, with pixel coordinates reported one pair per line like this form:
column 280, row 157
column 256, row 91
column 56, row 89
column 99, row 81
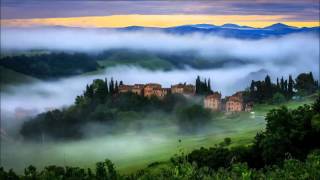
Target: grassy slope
column 240, row 128
column 144, row 60
column 10, row 77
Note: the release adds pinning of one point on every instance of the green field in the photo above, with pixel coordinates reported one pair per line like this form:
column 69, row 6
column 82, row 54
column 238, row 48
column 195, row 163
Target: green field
column 241, row 128
column 133, row 150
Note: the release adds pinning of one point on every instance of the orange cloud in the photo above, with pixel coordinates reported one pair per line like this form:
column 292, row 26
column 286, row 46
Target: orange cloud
column 155, row 21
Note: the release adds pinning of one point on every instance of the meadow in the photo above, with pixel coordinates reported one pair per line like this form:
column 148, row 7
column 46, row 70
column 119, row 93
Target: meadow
column 133, row 150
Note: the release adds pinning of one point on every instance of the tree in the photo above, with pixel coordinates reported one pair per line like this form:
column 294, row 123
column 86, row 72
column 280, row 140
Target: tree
column 192, row 117
column 106, row 85
column 198, row 85
column 282, row 87
column 288, row 131
column 30, row 172
column 305, row 84
column 111, row 86
column 268, row 87
column 203, row 87
column 88, row 93
column 290, row 87
column 278, row 98
column 209, row 85
column 116, row 88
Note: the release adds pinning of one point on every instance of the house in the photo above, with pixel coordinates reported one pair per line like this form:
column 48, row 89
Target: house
column 234, row 103
column 125, row 88
column 151, row 89
column 161, row 92
column 186, row 89
column 213, row 101
column 138, row 89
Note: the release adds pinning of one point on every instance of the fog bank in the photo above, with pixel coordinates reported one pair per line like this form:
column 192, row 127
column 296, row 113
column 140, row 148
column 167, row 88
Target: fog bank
column 291, row 54
column 292, row 49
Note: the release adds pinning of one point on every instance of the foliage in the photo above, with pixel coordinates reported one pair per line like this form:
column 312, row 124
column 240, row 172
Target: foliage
column 287, row 149
column 101, row 103
column 203, row 87
column 278, row 98
column 290, row 133
column 193, row 117
column 161, row 60
column 50, row 66
column 180, row 170
column 305, row 84
column 266, row 91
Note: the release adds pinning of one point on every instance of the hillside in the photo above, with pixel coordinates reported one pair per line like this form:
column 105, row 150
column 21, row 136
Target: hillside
column 163, row 61
column 10, row 77
column 230, row 30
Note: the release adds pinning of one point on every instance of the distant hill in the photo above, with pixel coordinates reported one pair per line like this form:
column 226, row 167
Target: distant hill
column 50, row 65
column 10, row 77
column 230, row 30
column 163, row 61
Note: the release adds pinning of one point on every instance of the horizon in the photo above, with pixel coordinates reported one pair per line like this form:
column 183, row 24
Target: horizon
column 150, row 21
column 156, row 13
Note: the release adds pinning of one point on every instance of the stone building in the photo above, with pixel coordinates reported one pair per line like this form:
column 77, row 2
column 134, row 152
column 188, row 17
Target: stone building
column 187, row 89
column 213, row 101
column 138, row 89
column 125, row 88
column 152, row 89
column 161, row 92
column 234, row 103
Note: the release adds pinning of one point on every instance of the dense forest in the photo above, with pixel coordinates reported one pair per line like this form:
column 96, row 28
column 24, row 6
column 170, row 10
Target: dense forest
column 287, row 149
column 50, row 66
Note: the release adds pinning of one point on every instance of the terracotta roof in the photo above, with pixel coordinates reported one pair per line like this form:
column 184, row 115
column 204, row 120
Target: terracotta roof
column 214, row 95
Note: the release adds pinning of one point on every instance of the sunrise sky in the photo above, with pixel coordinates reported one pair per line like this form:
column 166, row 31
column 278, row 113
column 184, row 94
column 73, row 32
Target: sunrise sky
column 161, row 13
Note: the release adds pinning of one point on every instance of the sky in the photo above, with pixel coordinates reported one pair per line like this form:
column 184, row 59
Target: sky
column 158, row 13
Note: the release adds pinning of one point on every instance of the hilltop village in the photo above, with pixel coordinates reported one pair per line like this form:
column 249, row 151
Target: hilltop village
column 213, row 101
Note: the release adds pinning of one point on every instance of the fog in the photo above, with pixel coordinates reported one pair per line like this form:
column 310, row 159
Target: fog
column 42, row 96
column 294, row 49
column 129, row 149
column 292, row 54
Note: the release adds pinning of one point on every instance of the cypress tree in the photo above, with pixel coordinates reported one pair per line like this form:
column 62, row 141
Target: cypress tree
column 286, row 87
column 89, row 91
column 252, row 90
column 282, row 85
column 116, row 90
column 106, row 84
column 205, row 87
column 278, row 85
column 198, row 85
column 268, row 87
column 209, row 85
column 290, row 87
column 111, row 86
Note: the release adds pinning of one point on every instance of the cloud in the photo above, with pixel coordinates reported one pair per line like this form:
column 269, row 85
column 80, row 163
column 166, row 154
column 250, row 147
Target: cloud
column 306, row 10
column 294, row 49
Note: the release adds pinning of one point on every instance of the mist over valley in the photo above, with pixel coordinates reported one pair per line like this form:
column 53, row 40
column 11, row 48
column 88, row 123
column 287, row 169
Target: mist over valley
column 44, row 74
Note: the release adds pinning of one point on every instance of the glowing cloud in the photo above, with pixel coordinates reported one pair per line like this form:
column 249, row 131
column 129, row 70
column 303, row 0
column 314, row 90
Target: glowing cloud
column 156, row 21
